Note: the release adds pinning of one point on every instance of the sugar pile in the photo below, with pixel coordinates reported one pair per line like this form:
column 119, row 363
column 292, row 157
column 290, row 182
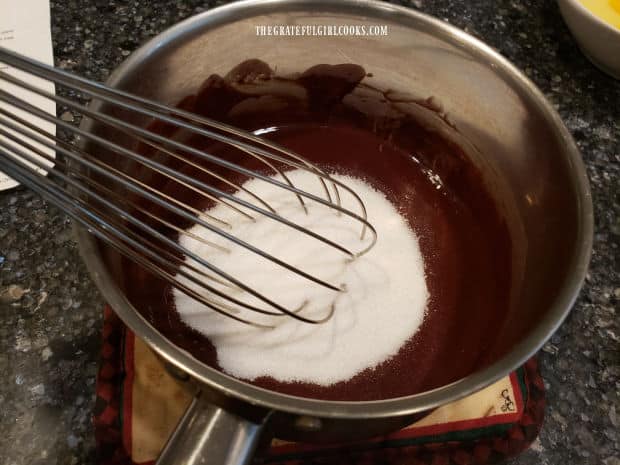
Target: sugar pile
column 383, row 306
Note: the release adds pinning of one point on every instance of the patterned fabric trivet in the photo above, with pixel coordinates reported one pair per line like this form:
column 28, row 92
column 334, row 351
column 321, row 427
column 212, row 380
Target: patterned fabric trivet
column 139, row 404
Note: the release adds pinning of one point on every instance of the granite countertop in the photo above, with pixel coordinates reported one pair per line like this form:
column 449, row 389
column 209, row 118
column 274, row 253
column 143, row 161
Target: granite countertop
column 50, row 312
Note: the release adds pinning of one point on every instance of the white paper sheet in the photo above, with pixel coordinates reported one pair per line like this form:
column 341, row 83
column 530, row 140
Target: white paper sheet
column 25, row 28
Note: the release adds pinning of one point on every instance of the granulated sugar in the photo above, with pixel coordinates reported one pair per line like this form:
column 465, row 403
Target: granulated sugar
column 382, row 307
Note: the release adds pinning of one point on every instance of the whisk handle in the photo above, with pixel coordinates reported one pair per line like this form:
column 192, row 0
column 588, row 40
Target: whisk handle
column 210, row 435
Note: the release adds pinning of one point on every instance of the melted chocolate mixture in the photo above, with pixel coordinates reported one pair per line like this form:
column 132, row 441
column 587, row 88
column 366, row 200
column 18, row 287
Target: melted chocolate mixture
column 327, row 116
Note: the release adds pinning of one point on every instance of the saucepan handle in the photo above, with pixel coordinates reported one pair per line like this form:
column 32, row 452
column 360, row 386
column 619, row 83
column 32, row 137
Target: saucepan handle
column 210, row 435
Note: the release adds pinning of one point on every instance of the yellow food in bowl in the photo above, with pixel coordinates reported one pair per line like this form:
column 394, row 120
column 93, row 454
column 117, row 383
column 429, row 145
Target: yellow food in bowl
column 607, row 10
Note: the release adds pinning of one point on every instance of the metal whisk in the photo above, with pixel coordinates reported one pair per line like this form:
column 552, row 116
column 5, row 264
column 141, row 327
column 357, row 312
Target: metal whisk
column 110, row 202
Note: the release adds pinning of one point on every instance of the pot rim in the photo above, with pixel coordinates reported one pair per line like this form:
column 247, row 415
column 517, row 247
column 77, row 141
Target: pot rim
column 401, row 406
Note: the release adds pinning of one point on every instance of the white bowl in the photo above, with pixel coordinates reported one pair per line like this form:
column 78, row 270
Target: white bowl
column 598, row 40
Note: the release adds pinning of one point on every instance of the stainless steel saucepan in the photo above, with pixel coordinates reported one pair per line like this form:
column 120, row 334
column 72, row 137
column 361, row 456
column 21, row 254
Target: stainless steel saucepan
column 528, row 157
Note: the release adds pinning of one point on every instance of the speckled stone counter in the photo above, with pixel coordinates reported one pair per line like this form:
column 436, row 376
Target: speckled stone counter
column 50, row 312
